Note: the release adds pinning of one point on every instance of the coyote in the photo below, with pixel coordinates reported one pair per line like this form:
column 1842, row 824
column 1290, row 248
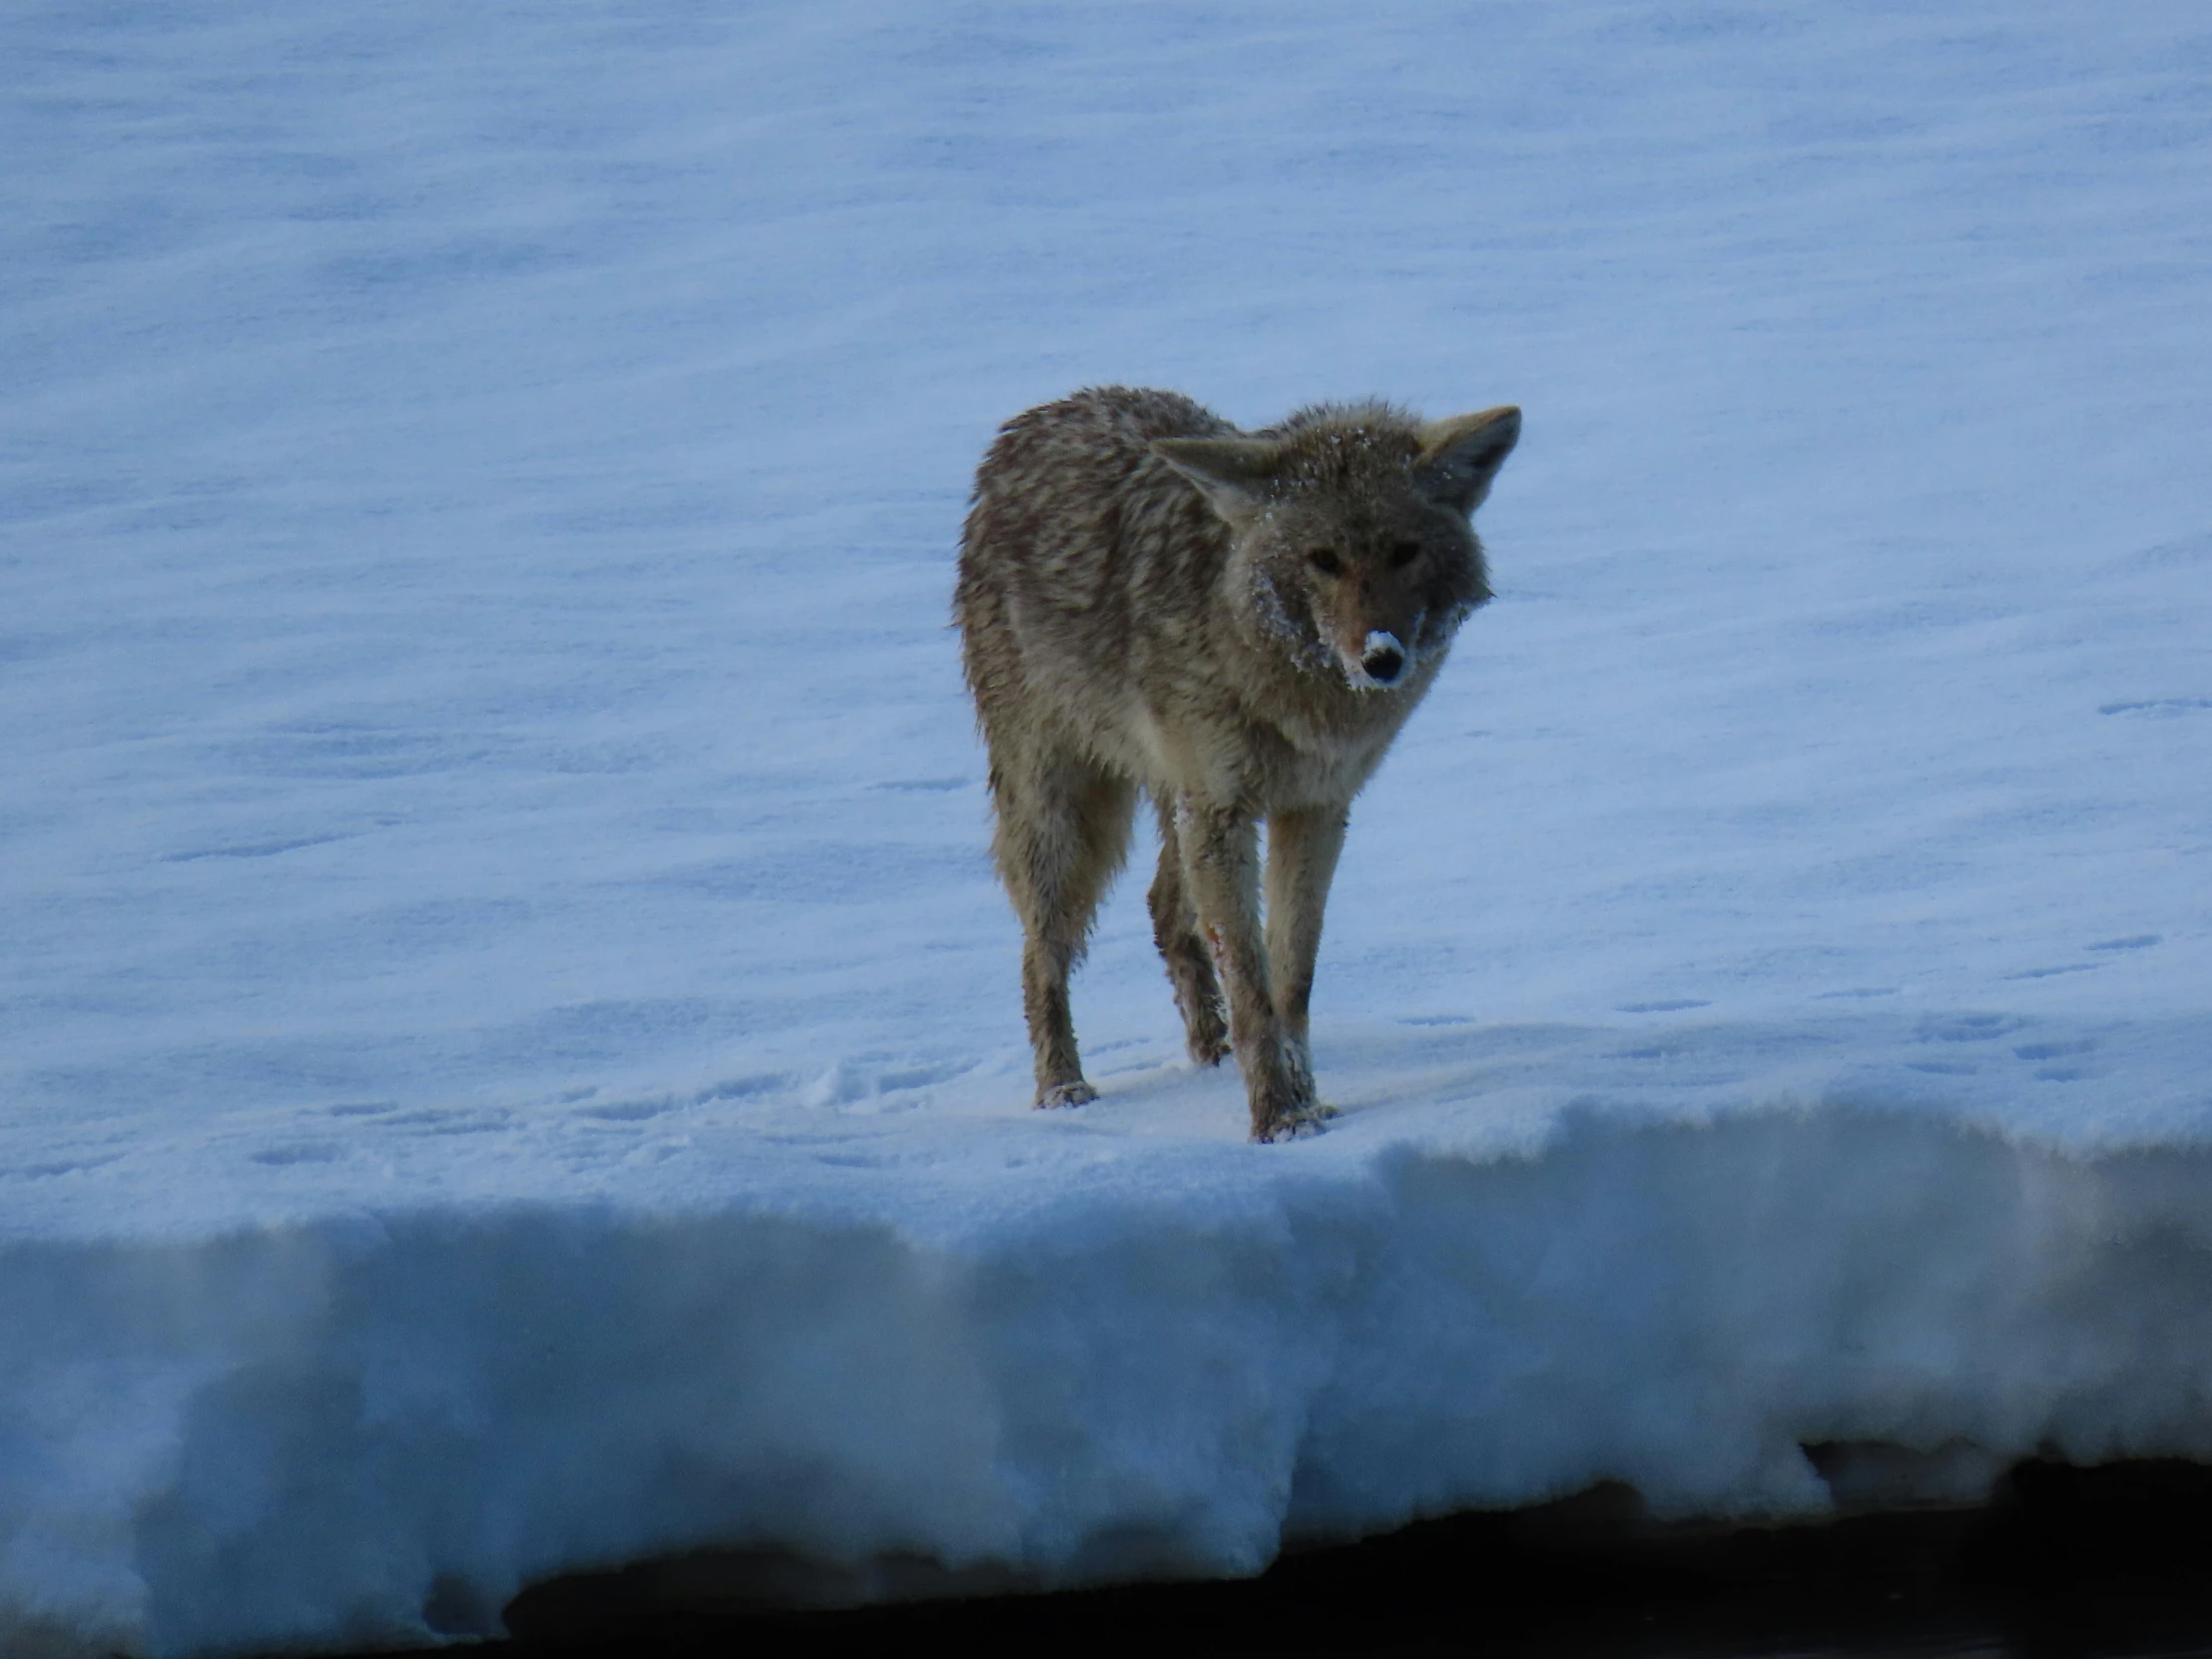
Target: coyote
column 1234, row 624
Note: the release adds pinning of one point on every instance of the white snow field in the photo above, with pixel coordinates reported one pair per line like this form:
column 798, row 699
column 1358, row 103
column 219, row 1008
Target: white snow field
column 512, row 1054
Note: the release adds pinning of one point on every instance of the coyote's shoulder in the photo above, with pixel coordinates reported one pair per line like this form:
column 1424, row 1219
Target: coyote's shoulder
column 1233, row 623
column 1073, row 505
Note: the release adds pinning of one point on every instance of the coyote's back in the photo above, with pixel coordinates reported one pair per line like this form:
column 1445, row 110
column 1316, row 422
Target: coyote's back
column 1235, row 625
column 1079, row 536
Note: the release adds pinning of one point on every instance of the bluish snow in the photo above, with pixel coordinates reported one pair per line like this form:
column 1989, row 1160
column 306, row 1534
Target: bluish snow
column 510, row 1054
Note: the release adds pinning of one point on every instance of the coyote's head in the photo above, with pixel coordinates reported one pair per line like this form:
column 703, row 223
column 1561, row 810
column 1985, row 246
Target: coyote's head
column 1349, row 529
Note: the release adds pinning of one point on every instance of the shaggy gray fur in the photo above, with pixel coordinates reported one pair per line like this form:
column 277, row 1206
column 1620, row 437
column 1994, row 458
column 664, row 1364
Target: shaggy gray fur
column 1235, row 625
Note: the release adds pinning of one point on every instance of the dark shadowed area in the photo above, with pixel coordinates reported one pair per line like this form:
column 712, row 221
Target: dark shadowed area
column 2063, row 1561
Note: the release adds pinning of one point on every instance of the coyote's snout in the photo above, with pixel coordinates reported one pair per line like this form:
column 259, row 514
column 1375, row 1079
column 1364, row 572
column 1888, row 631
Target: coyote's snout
column 1235, row 625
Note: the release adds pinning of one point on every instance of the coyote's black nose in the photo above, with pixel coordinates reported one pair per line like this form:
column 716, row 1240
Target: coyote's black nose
column 1384, row 663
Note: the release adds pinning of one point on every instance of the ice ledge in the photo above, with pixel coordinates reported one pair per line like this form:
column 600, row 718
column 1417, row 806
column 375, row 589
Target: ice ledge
column 375, row 1427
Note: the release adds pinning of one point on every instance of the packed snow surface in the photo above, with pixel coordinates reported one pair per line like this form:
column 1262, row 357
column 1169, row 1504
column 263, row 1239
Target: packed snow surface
column 510, row 1039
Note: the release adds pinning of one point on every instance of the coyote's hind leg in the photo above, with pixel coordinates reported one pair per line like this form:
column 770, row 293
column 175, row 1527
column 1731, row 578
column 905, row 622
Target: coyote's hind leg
column 1190, row 964
column 1063, row 830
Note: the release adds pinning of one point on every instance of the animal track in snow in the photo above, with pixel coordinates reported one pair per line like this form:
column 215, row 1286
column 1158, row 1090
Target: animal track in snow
column 449, row 1120
column 1969, row 1028
column 250, row 850
column 624, row 1111
column 743, row 1088
column 2052, row 1050
column 61, row 1166
column 304, row 1152
column 2157, row 708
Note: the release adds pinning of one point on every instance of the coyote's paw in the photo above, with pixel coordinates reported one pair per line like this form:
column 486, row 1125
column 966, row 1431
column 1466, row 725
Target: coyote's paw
column 1205, row 1029
column 1296, row 1125
column 1077, row 1093
column 1208, row 1048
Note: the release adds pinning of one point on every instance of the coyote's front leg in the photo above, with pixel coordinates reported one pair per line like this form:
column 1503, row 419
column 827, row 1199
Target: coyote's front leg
column 1302, row 845
column 1221, row 853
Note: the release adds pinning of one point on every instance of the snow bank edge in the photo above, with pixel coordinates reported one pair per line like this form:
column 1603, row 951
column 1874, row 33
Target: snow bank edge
column 378, row 1428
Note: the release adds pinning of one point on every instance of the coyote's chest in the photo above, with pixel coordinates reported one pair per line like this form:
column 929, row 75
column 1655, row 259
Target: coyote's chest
column 1314, row 765
column 1208, row 742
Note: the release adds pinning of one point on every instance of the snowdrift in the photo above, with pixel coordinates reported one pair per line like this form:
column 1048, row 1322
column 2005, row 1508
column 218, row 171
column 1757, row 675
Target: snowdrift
column 1048, row 1355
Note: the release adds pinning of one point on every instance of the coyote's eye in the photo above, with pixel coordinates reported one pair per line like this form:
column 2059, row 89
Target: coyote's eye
column 1403, row 554
column 1325, row 562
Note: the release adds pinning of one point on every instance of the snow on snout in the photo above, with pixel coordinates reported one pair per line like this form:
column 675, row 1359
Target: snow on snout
column 1380, row 648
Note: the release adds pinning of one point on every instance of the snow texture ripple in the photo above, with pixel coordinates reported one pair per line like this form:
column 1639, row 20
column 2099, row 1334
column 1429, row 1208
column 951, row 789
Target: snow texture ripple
column 510, row 1054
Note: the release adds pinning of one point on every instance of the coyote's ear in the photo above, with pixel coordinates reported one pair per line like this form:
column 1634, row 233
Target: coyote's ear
column 1234, row 473
column 1459, row 457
